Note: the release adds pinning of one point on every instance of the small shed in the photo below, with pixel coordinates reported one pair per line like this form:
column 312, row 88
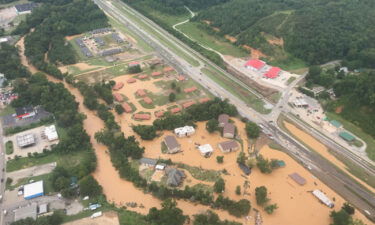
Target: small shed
column 118, row 86
column 346, row 136
column 206, row 150
column 229, row 130
column 148, row 162
column 188, row 104
column 131, row 80
column 298, row 179
column 147, row 100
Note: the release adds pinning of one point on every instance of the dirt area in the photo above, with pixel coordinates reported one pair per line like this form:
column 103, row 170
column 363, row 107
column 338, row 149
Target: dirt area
column 40, row 143
column 276, row 41
column 339, row 109
column 108, row 218
column 68, row 38
column 255, row 53
column 24, row 60
column 322, row 150
column 7, row 15
column 230, row 38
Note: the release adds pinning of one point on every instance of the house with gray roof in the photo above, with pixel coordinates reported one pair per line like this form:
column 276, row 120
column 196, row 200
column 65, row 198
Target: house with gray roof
column 228, row 146
column 229, row 130
column 172, row 144
column 223, row 119
column 174, row 176
column 148, row 162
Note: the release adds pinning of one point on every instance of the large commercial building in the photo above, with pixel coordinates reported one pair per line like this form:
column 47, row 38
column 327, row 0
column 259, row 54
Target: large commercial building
column 51, row 133
column 33, row 190
column 25, row 140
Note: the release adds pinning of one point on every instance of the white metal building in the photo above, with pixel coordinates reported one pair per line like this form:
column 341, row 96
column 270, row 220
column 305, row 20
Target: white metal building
column 51, row 133
column 33, row 190
column 323, row 198
column 25, row 140
column 206, row 150
column 184, row 131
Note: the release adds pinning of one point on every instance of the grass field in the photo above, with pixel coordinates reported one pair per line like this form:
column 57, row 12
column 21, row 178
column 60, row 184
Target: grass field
column 158, row 36
column 24, row 162
column 7, row 110
column 9, row 147
column 131, row 218
column 237, row 90
column 370, row 141
column 201, row 174
column 219, row 44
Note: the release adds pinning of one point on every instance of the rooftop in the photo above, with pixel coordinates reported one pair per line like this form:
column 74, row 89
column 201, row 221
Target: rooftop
column 227, row 145
column 346, row 136
column 188, row 104
column 203, row 100
column 148, row 161
column 118, row 97
column 51, row 133
column 255, row 63
column 171, row 142
column 131, row 80
column 297, row 178
column 26, row 7
column 223, row 118
column 118, row 86
column 229, row 128
column 176, row 110
column 154, row 74
column 336, row 123
column 141, row 116
column 273, row 72
column 148, row 100
column 141, row 92
column 33, row 190
column 25, row 140
column 127, row 108
column 189, row 90
column 168, row 69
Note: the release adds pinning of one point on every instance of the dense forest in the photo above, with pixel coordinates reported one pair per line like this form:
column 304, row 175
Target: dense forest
column 10, row 63
column 52, row 22
column 316, row 31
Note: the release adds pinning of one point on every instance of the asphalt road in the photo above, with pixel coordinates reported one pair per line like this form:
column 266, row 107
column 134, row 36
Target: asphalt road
column 325, row 171
column 2, row 172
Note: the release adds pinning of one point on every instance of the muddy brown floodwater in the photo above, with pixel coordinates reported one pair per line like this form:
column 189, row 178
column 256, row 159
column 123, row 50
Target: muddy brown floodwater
column 296, row 205
column 322, row 150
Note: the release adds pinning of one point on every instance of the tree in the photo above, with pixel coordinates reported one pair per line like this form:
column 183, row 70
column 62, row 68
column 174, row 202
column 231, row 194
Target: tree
column 263, row 164
column 173, row 85
column 314, row 71
column 252, row 130
column 270, row 208
column 172, row 97
column 145, row 131
column 341, row 218
column 210, row 218
column 119, row 109
column 219, row 185
column 212, row 125
column 261, row 195
column 88, row 186
column 241, row 158
column 219, row 159
column 348, row 208
column 169, row 214
column 238, row 190
column 134, row 69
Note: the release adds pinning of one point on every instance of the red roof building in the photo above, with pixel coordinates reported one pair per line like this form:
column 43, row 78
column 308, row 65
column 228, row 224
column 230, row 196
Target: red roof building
column 203, row 100
column 127, row 108
column 273, row 72
column 133, row 64
column 118, row 86
column 142, row 76
column 142, row 116
column 118, row 97
column 168, row 69
column 188, row 104
column 155, row 74
column 159, row 114
column 131, row 80
column 141, row 92
column 148, row 100
column 175, row 110
column 255, row 64
column 181, row 78
column 189, row 90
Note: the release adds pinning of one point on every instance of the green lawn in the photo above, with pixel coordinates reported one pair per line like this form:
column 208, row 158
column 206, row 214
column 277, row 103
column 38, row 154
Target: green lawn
column 7, row 110
column 237, row 90
column 158, row 36
column 131, row 218
column 9, row 147
column 221, row 45
column 201, row 174
column 24, row 162
column 145, row 105
column 142, row 44
column 167, row 18
column 370, row 141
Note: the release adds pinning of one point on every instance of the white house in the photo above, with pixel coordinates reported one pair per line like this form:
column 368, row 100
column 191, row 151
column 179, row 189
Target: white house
column 184, row 131
column 51, row 133
column 206, row 150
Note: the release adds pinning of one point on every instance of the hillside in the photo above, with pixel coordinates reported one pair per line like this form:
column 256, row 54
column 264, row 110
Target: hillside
column 316, row 31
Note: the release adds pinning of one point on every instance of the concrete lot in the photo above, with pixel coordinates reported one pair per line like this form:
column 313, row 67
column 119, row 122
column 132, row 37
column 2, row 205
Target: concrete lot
column 108, row 218
column 32, row 171
column 37, row 147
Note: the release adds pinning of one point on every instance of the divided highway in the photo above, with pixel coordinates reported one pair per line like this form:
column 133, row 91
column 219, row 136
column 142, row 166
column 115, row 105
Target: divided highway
column 320, row 167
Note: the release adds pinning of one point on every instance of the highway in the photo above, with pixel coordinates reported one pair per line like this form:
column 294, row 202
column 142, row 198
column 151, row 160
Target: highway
column 320, row 167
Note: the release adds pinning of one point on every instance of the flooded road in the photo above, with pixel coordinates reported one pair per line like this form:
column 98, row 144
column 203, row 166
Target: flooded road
column 322, row 150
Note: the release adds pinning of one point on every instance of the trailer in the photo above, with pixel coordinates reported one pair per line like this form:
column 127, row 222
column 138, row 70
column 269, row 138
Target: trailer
column 323, row 198
column 97, row 214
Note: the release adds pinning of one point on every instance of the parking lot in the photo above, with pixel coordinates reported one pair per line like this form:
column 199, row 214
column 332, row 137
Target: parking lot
column 40, row 143
column 10, row 121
